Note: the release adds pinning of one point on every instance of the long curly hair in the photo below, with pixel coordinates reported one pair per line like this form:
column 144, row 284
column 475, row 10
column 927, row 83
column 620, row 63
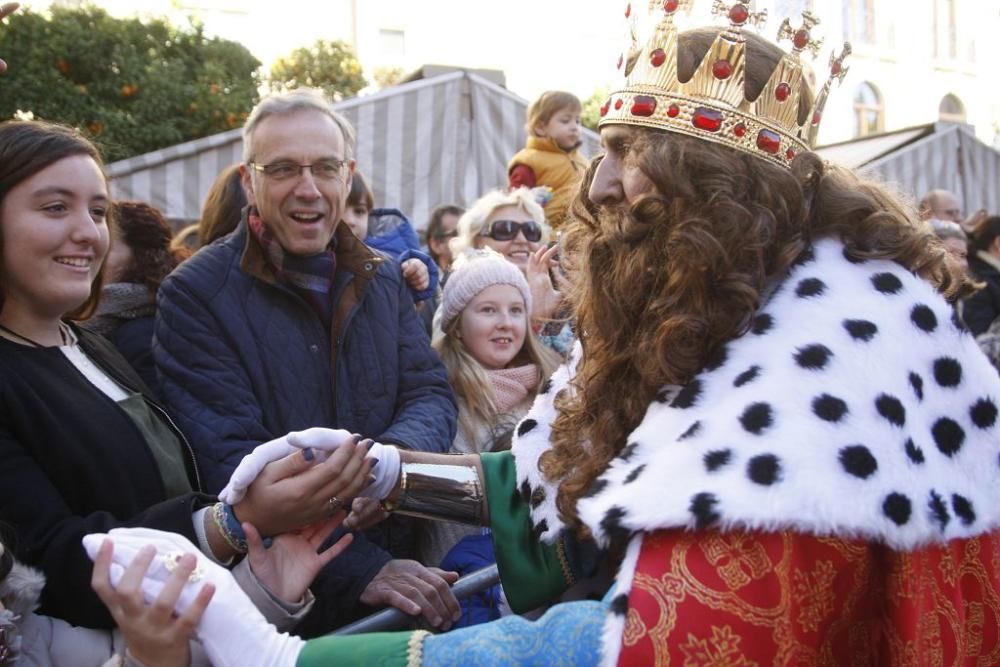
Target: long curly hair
column 662, row 284
column 147, row 234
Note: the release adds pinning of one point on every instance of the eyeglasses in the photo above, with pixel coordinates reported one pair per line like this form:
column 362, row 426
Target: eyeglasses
column 506, row 230
column 444, row 236
column 326, row 170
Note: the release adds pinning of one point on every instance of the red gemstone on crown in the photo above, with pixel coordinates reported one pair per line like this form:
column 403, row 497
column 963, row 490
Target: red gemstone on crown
column 740, row 129
column 769, row 141
column 673, row 110
column 801, row 39
column 739, row 14
column 722, row 69
column 835, row 68
column 816, row 117
column 605, row 107
column 628, row 10
column 707, row 119
column 790, row 154
column 782, row 92
column 670, row 6
column 643, row 105
column 657, row 57
column 621, row 59
column 618, row 103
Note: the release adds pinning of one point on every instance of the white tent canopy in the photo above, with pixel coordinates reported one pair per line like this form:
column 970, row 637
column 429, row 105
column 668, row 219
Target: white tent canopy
column 443, row 140
column 920, row 159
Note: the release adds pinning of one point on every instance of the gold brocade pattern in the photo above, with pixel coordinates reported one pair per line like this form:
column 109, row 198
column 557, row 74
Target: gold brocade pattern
column 791, row 599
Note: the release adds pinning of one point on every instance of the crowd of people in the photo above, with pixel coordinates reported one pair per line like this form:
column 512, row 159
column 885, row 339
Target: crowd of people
column 700, row 401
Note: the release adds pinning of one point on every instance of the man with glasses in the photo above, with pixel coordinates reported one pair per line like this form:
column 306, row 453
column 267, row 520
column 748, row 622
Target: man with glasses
column 291, row 322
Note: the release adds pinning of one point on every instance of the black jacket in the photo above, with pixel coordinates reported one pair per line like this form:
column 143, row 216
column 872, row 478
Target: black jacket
column 980, row 309
column 72, row 462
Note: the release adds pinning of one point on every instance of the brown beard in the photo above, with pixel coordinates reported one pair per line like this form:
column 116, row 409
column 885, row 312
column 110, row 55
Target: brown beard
column 659, row 289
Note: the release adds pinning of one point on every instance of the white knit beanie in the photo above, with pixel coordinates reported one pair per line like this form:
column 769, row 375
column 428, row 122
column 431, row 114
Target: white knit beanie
column 474, row 271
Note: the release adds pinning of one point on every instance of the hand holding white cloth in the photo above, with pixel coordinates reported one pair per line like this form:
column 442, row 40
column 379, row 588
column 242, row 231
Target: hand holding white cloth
column 322, row 441
column 232, row 631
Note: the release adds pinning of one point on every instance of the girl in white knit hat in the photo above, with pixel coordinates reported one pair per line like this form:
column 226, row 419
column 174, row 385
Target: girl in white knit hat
column 495, row 365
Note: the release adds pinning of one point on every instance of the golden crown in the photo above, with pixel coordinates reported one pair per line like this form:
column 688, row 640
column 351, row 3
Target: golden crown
column 712, row 105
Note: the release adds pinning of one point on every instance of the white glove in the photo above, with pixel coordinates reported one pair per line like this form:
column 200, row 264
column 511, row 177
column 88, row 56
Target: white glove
column 323, row 442
column 232, row 631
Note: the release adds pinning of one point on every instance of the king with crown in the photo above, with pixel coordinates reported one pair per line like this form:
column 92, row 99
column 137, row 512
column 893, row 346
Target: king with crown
column 773, row 431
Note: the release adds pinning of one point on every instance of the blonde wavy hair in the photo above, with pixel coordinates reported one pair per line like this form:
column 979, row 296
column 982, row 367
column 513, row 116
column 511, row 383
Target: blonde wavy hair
column 470, row 380
column 472, row 222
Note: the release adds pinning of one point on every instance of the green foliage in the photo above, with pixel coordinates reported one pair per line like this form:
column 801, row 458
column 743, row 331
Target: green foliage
column 331, row 66
column 133, row 86
column 590, row 113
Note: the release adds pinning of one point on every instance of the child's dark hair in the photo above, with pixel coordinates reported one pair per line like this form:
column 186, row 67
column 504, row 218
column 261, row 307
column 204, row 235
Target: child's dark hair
column 360, row 194
column 986, row 232
column 548, row 105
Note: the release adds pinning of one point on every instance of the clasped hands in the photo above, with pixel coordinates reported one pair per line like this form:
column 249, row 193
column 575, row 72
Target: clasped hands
column 331, row 465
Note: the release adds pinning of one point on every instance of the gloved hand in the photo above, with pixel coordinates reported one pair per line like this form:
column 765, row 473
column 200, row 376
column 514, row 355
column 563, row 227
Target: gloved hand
column 322, row 441
column 232, row 631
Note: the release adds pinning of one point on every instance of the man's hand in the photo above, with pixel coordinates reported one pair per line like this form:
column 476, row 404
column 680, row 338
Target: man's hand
column 365, row 513
column 5, row 11
column 414, row 589
column 416, row 274
column 295, row 491
column 293, row 560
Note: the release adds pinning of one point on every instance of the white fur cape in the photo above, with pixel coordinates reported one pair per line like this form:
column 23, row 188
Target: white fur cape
column 857, row 406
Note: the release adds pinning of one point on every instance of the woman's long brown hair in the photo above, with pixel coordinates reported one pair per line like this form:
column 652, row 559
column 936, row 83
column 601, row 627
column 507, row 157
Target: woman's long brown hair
column 661, row 285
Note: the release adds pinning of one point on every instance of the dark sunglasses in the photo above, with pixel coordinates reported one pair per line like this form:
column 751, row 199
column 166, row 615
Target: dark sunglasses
column 506, row 230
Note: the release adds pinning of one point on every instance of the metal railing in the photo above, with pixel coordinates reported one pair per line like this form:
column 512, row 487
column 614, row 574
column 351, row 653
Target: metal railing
column 393, row 619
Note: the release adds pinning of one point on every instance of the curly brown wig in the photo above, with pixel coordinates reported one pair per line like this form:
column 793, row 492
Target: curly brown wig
column 661, row 285
column 147, row 234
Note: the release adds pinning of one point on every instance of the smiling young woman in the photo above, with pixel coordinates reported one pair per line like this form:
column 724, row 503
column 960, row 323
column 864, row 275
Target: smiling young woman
column 85, row 447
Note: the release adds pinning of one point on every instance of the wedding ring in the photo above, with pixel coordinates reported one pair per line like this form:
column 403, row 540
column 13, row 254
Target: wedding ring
column 334, row 504
column 172, row 559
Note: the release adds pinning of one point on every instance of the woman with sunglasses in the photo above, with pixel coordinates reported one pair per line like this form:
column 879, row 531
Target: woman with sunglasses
column 513, row 224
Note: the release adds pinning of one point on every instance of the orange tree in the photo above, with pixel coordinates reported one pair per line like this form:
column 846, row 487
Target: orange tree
column 133, row 86
column 330, row 65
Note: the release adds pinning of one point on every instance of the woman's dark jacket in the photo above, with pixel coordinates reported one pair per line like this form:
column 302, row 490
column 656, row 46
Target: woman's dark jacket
column 71, row 463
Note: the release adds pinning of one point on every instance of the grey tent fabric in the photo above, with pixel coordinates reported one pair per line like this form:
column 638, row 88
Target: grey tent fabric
column 446, row 139
column 916, row 160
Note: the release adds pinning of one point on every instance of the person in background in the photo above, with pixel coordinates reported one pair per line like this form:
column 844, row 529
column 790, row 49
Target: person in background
column 983, row 307
column 389, row 231
column 957, row 243
column 291, row 322
column 223, row 206
column 551, row 157
column 139, row 259
column 513, row 224
column 496, row 367
column 940, row 205
column 441, row 228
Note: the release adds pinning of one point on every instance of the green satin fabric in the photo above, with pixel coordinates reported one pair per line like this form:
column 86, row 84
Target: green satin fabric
column 529, row 569
column 384, row 649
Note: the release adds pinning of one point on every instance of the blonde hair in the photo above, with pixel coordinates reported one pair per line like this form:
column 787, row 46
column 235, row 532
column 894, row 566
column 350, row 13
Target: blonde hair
column 548, row 105
column 471, row 224
column 470, row 381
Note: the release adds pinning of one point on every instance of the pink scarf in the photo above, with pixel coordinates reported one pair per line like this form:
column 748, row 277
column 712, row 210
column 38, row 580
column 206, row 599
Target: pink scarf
column 512, row 386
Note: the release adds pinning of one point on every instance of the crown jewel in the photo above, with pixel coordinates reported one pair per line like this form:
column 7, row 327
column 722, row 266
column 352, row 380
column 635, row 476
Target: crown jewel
column 712, row 105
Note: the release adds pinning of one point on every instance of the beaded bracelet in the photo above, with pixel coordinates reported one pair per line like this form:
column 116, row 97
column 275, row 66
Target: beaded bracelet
column 230, row 528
